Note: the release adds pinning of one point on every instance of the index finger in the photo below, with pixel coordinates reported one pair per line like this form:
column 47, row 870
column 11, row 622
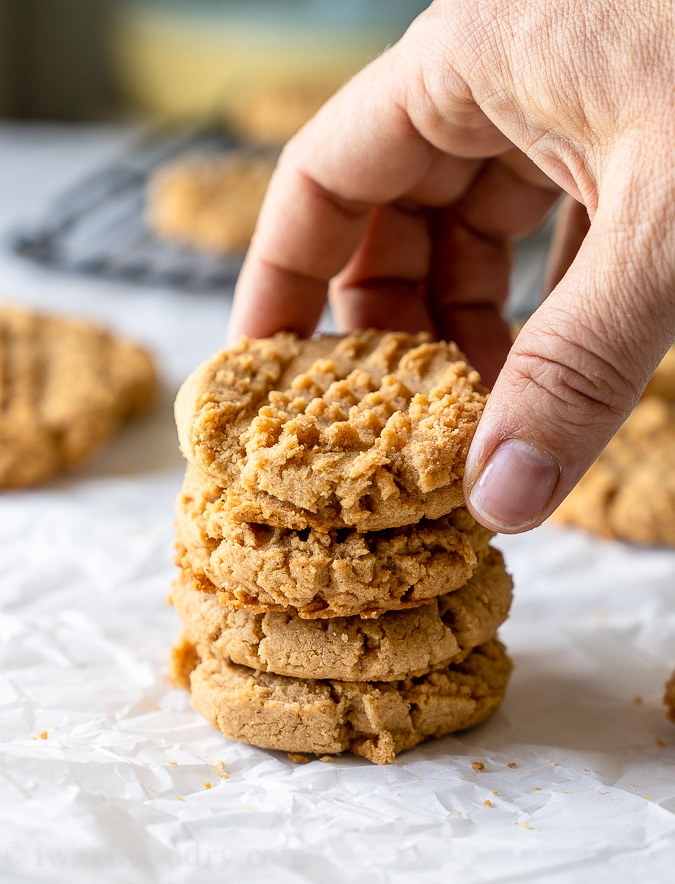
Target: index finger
column 377, row 140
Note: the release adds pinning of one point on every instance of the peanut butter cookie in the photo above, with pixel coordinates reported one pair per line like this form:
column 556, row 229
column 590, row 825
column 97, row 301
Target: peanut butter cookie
column 393, row 646
column 271, row 115
column 662, row 382
column 321, row 573
column 65, row 387
column 369, row 430
column 629, row 492
column 372, row 719
column 209, row 203
column 669, row 697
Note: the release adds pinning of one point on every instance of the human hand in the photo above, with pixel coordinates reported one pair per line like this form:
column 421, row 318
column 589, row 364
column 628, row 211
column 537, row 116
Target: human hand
column 401, row 198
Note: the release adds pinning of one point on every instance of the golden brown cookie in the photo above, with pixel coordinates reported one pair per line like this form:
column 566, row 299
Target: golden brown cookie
column 273, row 114
column 369, row 430
column 209, row 203
column 629, row 492
column 669, row 698
column 662, row 382
column 395, row 645
column 373, row 719
column 65, row 386
column 321, row 573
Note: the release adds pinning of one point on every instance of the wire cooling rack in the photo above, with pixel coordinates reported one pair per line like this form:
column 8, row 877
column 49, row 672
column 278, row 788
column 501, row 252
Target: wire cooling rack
column 98, row 226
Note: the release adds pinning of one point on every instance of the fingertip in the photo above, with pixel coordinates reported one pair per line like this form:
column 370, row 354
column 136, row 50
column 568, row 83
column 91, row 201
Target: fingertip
column 512, row 490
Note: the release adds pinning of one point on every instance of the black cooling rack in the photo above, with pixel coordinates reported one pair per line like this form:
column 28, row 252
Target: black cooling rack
column 98, row 226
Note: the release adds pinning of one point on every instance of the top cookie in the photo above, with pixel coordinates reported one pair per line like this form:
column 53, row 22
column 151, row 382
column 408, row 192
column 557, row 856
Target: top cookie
column 65, row 386
column 369, row 430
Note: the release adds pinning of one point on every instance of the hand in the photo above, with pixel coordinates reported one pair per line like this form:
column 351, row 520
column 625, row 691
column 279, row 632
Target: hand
column 401, row 198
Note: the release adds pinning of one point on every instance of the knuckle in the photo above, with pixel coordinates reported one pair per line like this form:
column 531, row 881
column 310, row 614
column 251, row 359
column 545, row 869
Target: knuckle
column 581, row 387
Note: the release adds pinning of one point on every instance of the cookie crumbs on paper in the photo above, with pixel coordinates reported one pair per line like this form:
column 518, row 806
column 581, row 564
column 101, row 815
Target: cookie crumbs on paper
column 297, row 758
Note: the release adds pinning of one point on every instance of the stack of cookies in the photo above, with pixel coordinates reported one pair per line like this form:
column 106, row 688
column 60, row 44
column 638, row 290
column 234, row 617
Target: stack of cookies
column 335, row 593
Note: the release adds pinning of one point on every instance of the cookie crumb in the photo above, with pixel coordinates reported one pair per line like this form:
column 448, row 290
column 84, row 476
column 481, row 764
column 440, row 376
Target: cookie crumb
column 637, row 700
column 173, row 763
column 328, row 759
column 487, row 803
column 206, row 785
column 220, row 770
column 477, row 765
column 181, row 798
column 537, row 788
column 512, row 765
column 524, row 825
column 659, row 743
column 297, row 758
column 494, row 791
column 43, row 735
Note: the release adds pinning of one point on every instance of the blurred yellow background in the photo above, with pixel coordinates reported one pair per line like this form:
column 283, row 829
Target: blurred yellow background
column 180, row 59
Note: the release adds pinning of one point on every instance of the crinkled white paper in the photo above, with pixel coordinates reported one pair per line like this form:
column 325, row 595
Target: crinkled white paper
column 117, row 791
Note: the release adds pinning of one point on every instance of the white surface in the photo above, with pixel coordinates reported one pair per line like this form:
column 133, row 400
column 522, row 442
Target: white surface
column 85, row 566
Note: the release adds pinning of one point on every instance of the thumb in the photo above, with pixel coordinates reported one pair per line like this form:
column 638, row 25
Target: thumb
column 576, row 370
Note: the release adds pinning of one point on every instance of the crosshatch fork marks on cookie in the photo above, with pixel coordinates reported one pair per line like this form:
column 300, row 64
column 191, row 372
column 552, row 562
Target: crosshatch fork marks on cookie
column 334, row 430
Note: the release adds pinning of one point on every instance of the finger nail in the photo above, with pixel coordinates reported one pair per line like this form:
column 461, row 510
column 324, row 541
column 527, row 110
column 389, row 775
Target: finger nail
column 515, row 485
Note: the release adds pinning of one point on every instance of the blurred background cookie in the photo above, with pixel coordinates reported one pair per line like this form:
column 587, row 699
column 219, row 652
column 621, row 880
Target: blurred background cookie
column 209, row 203
column 65, row 387
column 629, row 492
column 272, row 113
